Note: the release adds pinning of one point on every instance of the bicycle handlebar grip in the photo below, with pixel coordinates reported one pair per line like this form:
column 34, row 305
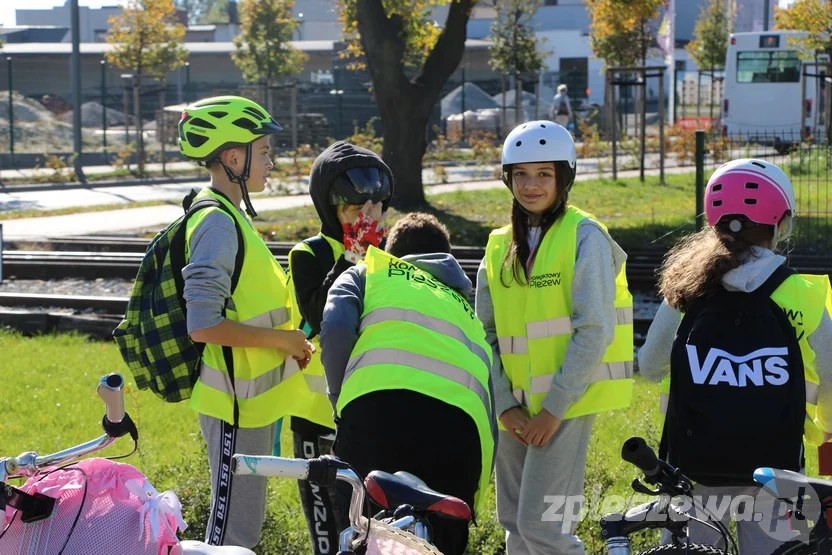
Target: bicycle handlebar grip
column 273, row 467
column 111, row 391
column 636, row 452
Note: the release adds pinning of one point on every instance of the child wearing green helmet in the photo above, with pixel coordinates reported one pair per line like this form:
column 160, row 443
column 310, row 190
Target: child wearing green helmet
column 239, row 307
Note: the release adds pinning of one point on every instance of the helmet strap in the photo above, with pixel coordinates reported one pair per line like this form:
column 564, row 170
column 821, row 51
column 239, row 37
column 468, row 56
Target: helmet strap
column 241, row 180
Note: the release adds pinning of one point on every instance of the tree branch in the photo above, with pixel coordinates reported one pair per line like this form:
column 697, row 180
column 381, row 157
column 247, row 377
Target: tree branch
column 383, row 44
column 447, row 53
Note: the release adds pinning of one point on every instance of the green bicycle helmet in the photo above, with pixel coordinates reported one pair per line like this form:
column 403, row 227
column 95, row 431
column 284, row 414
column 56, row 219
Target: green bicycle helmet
column 213, row 124
column 209, row 126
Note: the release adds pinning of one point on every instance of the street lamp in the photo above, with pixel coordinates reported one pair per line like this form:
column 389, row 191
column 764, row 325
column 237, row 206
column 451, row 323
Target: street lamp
column 300, row 26
column 187, row 81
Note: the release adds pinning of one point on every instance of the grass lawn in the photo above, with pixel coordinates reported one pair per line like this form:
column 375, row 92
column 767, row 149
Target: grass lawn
column 49, row 403
column 636, row 213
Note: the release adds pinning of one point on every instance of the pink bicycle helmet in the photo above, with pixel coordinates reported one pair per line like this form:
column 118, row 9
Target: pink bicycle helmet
column 756, row 189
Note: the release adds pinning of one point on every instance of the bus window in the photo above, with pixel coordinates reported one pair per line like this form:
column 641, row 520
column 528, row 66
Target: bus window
column 768, row 67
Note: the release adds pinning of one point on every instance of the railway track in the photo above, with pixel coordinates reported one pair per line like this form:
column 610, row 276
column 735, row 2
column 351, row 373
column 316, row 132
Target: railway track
column 119, row 257
column 101, row 314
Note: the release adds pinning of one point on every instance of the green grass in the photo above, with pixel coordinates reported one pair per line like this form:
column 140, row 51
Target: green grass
column 49, row 403
column 636, row 213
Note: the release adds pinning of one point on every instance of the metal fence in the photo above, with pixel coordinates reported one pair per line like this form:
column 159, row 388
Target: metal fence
column 806, row 160
column 36, row 112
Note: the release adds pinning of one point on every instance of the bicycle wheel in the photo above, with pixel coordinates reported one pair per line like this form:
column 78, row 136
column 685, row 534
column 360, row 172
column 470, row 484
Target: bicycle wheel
column 797, row 547
column 692, row 549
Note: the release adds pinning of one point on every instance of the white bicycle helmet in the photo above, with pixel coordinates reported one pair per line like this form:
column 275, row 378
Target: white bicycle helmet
column 538, row 141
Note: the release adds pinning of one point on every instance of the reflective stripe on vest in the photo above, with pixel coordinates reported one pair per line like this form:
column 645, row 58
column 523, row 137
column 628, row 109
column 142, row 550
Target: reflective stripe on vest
column 260, row 300
column 519, row 345
column 436, row 324
column 534, row 322
column 422, row 363
column 803, row 298
column 417, row 333
column 309, row 398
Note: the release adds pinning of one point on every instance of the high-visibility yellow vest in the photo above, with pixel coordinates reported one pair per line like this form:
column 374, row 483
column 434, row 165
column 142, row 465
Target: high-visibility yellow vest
column 418, row 334
column 261, row 300
column 803, row 298
column 534, row 322
column 309, row 400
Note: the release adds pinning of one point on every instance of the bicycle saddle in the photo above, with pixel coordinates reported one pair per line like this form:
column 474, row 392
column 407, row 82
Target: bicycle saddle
column 199, row 548
column 785, row 484
column 402, row 488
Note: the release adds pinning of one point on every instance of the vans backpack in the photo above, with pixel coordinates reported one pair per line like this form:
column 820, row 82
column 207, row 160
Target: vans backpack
column 737, row 388
column 153, row 336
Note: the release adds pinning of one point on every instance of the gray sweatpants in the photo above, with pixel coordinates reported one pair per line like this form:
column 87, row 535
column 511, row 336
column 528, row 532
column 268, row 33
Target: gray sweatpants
column 741, row 504
column 238, row 503
column 539, row 490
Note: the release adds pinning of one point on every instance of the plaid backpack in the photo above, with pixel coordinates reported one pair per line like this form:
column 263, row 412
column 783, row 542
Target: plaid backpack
column 153, row 336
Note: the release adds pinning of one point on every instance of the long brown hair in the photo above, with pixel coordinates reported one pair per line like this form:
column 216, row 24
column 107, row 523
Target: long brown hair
column 513, row 266
column 694, row 267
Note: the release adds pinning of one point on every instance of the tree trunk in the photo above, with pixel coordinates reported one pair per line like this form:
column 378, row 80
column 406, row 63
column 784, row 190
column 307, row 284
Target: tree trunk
column 405, row 142
column 405, row 104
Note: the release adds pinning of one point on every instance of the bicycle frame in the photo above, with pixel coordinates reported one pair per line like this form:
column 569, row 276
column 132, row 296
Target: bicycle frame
column 320, row 471
column 617, row 528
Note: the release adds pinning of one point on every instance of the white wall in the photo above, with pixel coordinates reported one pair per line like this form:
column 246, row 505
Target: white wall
column 573, row 44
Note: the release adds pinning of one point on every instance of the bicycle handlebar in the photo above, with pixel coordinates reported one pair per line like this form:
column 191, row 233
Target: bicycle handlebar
column 116, row 423
column 636, row 452
column 670, row 480
column 111, row 391
column 275, row 467
column 324, row 471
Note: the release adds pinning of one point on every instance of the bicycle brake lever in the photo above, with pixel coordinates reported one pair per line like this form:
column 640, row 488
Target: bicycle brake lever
column 641, row 488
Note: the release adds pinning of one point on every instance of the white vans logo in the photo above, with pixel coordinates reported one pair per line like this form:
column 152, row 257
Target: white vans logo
column 740, row 371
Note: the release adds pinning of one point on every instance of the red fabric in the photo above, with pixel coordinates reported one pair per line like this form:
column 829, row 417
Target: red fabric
column 360, row 235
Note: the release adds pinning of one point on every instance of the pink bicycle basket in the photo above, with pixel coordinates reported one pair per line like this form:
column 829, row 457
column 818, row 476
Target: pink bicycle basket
column 103, row 508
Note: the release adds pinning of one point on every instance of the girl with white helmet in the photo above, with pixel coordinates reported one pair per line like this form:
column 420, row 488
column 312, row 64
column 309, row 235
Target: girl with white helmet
column 553, row 298
column 712, row 367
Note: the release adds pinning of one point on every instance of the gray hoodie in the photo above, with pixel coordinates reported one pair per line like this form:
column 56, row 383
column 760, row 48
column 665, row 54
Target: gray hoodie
column 597, row 261
column 345, row 303
column 654, row 356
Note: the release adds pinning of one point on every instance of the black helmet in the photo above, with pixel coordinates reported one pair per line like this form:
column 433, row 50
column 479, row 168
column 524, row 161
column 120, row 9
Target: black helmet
column 358, row 185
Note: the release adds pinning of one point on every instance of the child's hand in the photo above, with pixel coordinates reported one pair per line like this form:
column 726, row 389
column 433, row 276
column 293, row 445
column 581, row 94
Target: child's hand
column 294, row 344
column 515, row 421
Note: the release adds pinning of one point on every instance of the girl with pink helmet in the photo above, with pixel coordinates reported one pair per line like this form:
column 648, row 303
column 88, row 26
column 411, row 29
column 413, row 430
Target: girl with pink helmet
column 738, row 343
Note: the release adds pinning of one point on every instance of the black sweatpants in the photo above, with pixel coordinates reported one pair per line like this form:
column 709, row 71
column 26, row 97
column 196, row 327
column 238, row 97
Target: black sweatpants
column 323, row 517
column 405, row 430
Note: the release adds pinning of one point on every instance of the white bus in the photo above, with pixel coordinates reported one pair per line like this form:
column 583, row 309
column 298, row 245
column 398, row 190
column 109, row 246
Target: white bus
column 762, row 89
